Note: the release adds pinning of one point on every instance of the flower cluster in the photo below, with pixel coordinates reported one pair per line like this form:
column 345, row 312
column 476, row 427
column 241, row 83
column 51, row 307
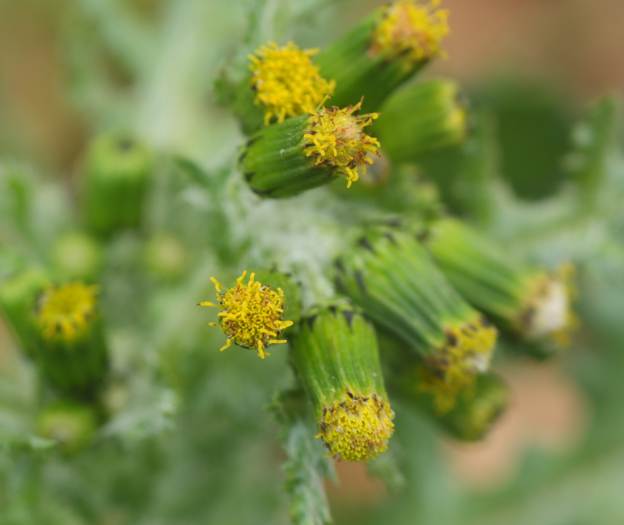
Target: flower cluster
column 413, row 301
column 439, row 291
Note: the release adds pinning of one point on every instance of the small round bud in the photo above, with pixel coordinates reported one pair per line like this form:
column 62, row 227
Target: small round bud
column 77, row 256
column 72, row 426
column 165, row 257
column 116, row 175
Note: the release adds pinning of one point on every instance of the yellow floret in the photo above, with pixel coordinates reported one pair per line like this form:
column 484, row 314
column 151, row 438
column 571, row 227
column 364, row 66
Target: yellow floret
column 250, row 314
column 286, row 82
column 65, row 311
column 358, row 427
column 466, row 352
column 335, row 138
column 411, row 31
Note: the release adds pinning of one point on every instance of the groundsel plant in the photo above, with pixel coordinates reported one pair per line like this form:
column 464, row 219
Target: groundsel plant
column 294, row 220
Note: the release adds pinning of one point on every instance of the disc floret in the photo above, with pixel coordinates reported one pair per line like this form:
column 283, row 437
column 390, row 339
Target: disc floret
column 286, row 81
column 335, row 138
column 411, row 31
column 251, row 314
column 66, row 311
column 358, row 427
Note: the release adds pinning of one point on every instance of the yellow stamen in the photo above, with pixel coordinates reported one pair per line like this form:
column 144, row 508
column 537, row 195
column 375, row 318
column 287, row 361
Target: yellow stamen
column 335, row 138
column 251, row 314
column 286, row 81
column 65, row 311
column 358, row 427
column 411, row 31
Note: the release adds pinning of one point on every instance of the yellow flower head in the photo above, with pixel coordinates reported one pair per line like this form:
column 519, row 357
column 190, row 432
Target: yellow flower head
column 65, row 311
column 286, row 82
column 335, row 138
column 467, row 351
column 251, row 314
column 358, row 427
column 444, row 391
column 411, row 31
column 548, row 311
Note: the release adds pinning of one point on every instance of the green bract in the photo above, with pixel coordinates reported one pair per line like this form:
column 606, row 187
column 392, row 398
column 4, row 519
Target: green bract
column 393, row 279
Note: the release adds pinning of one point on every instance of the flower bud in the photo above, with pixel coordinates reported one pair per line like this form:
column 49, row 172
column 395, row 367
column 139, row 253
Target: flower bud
column 18, row 297
column 533, row 304
column 301, row 153
column 77, row 256
column 421, row 118
column 251, row 314
column 393, row 279
column 116, row 175
column 336, row 358
column 474, row 408
column 73, row 355
column 165, row 257
column 282, row 82
column 384, row 51
column 71, row 425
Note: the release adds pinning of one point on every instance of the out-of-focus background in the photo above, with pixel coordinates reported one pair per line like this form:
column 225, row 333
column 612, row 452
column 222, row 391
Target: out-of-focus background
column 536, row 63
column 573, row 47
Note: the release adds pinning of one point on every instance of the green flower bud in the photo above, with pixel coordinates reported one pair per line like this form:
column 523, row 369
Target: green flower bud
column 474, row 408
column 384, row 51
column 18, row 297
column 282, row 82
column 165, row 257
column 420, row 118
column 77, row 256
column 533, row 304
column 301, row 153
column 392, row 277
column 71, row 425
column 336, row 359
column 72, row 356
column 116, row 176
